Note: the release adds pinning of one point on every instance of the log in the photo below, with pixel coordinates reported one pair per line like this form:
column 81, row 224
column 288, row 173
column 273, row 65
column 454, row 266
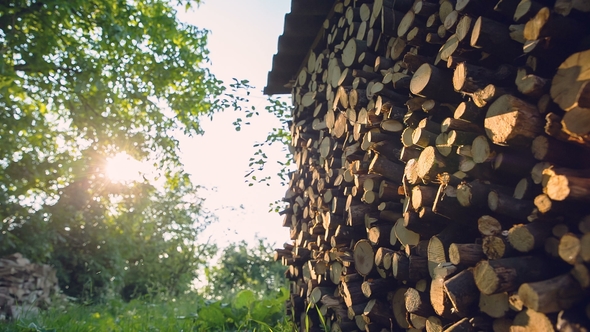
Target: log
column 530, row 320
column 352, row 293
column 525, row 189
column 400, row 265
column 438, row 246
column 424, row 222
column 383, row 257
column 451, row 21
column 464, row 27
column 423, row 196
column 551, row 246
column 495, row 305
column 417, row 303
column 570, row 248
column 469, row 112
column 527, row 237
column 423, row 138
column 496, row 247
column 418, row 267
column 515, row 164
column 450, row 124
column 398, row 304
column 475, row 193
column 404, row 235
column 581, row 273
column 379, row 235
column 431, row 163
column 378, row 312
column 569, row 83
column 432, row 82
column 434, row 324
column 466, row 254
column 470, row 78
column 378, row 288
column 409, row 21
column 352, row 51
column 494, row 37
column 556, row 27
column 439, row 299
column 318, row 293
column 551, row 295
column 513, row 122
column 481, row 150
column 487, row 95
column 462, row 292
column 388, row 149
column 388, row 169
column 549, row 149
column 509, row 206
column 442, row 146
column 364, row 258
column 563, row 187
column 525, row 10
column 532, row 86
column 488, row 225
column 507, row 274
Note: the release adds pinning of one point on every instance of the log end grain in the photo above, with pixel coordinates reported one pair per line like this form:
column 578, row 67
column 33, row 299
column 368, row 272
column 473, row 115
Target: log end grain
column 569, row 248
column 557, row 187
column 571, row 76
column 495, row 305
column 364, row 257
column 488, row 225
column 521, row 238
column 530, row 320
column 486, row 279
column 421, row 78
column 513, row 122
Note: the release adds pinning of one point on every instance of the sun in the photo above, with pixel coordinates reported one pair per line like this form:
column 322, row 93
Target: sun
column 123, row 168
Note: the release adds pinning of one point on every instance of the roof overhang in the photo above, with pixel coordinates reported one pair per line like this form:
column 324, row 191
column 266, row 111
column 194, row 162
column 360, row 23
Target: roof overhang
column 302, row 30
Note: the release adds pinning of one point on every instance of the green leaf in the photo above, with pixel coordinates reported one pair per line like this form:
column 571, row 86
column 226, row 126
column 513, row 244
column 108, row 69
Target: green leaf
column 212, row 315
column 244, row 299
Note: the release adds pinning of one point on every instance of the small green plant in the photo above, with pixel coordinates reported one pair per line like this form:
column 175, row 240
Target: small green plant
column 324, row 325
column 189, row 312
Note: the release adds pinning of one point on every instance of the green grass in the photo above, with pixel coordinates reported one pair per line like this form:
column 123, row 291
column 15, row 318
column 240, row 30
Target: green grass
column 187, row 313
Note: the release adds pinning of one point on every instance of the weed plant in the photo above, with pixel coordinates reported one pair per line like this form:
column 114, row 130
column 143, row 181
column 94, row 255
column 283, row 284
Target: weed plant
column 190, row 312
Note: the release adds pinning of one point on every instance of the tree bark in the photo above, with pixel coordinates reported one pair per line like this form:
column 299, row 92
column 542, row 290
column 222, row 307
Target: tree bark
column 507, row 274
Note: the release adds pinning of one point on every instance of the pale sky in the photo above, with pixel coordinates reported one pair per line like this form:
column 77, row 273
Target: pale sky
column 242, row 41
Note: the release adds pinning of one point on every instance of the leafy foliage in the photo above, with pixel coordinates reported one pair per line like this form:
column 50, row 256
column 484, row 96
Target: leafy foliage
column 256, row 304
column 80, row 81
column 240, row 268
column 163, row 313
column 278, row 136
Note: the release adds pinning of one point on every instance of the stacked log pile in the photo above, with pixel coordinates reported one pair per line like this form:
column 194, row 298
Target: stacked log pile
column 24, row 286
column 443, row 170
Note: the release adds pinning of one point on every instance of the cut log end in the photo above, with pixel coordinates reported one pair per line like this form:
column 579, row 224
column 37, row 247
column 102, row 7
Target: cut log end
column 486, row 279
column 513, row 122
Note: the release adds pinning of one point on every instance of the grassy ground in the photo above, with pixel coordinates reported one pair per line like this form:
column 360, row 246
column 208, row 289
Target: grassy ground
column 189, row 313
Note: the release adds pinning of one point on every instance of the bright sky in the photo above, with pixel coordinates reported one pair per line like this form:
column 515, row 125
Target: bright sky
column 242, row 41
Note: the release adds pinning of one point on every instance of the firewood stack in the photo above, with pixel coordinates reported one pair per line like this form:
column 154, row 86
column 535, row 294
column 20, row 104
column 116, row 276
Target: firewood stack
column 24, row 287
column 443, row 170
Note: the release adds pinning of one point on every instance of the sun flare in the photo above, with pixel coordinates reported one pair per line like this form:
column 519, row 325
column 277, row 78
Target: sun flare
column 123, row 168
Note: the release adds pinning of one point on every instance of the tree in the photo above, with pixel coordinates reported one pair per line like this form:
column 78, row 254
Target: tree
column 242, row 267
column 80, row 81
column 280, row 136
column 166, row 256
